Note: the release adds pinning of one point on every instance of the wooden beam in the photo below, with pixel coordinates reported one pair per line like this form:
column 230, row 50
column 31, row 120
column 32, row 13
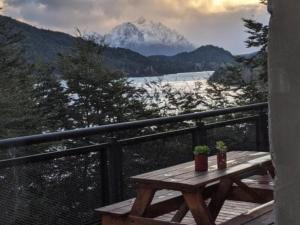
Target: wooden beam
column 219, row 197
column 164, row 207
column 251, row 192
column 181, row 213
column 143, row 200
column 198, row 208
column 238, row 194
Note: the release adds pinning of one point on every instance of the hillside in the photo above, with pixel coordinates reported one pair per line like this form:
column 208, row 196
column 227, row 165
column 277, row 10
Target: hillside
column 45, row 45
column 39, row 44
column 205, row 58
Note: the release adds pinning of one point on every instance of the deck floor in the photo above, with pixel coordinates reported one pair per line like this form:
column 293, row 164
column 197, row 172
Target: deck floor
column 230, row 210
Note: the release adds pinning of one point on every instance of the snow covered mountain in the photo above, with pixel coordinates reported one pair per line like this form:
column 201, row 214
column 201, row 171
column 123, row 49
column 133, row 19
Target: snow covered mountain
column 148, row 38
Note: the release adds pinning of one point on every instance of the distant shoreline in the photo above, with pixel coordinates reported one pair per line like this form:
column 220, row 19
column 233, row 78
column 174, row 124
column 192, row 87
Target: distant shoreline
column 189, row 76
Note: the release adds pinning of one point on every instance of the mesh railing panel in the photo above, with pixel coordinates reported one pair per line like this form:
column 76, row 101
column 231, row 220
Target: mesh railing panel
column 66, row 191
column 63, row 191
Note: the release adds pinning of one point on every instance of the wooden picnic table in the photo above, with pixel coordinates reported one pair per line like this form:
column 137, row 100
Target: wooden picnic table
column 195, row 185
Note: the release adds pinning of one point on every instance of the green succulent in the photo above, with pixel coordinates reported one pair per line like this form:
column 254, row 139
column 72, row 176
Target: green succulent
column 201, row 150
column 221, row 146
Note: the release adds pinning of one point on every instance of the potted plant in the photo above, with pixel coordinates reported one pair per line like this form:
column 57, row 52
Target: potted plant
column 221, row 155
column 201, row 158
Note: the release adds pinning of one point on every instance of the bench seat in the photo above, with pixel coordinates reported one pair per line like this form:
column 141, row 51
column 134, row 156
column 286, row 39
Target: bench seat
column 123, row 208
column 262, row 215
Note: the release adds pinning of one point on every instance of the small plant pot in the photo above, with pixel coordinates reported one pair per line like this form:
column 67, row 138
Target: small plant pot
column 222, row 160
column 201, row 163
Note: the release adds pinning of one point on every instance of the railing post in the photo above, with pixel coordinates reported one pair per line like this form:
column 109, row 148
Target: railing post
column 200, row 134
column 262, row 133
column 115, row 171
column 104, row 177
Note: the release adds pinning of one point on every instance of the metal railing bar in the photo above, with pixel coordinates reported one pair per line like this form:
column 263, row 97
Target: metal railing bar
column 129, row 141
column 52, row 155
column 57, row 136
column 152, row 137
column 231, row 122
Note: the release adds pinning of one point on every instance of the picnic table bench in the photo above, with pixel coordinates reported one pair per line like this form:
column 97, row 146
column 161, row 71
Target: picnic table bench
column 181, row 190
column 262, row 215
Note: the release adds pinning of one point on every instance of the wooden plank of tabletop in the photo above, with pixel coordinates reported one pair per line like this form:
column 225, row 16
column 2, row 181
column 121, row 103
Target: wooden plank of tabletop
column 190, row 170
column 194, row 180
column 187, row 172
column 212, row 161
column 231, row 171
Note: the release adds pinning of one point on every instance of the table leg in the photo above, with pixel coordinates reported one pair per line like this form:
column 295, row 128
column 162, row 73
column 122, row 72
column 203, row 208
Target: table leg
column 181, row 213
column 198, row 208
column 219, row 197
column 142, row 201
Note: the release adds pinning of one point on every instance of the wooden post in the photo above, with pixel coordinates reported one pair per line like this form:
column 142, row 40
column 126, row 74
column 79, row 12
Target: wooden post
column 262, row 134
column 115, row 171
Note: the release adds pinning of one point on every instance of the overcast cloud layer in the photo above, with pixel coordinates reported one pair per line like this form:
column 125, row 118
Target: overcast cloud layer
column 203, row 22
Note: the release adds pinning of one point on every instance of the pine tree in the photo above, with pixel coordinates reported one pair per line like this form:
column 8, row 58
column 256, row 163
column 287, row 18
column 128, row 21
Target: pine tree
column 249, row 76
column 98, row 96
column 51, row 100
column 16, row 84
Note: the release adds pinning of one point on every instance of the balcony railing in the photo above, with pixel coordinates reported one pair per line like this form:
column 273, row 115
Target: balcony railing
column 109, row 146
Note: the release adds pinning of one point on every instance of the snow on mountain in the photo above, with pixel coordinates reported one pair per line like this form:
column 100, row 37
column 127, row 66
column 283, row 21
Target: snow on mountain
column 148, row 38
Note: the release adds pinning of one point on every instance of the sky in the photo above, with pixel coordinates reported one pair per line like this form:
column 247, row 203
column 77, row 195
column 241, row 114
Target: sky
column 216, row 22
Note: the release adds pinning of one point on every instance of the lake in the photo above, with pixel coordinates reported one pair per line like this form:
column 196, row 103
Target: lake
column 182, row 81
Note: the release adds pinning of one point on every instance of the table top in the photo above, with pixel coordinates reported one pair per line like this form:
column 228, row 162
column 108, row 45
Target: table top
column 184, row 177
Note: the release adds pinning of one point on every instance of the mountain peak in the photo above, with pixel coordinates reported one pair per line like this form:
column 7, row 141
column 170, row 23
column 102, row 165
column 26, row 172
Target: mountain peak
column 148, row 38
column 141, row 20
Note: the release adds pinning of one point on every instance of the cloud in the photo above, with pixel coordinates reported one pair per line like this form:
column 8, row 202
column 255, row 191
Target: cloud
column 216, row 6
column 203, row 21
